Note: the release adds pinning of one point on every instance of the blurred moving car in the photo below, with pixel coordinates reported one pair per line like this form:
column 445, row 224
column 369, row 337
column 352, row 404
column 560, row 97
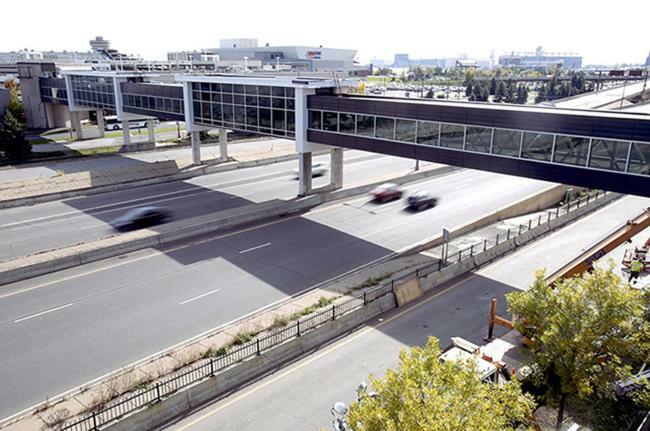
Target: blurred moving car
column 317, row 170
column 138, row 218
column 421, row 200
column 387, row 192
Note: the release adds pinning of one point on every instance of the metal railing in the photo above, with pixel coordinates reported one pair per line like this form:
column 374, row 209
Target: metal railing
column 208, row 367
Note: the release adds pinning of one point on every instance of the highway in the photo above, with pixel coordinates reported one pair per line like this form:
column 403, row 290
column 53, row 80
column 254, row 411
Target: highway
column 30, row 229
column 301, row 395
column 66, row 328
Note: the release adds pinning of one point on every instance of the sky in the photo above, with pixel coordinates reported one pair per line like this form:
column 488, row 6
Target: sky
column 602, row 31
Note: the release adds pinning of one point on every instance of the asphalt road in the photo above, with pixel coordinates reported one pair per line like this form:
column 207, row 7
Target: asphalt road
column 66, row 328
column 82, row 164
column 30, row 229
column 301, row 395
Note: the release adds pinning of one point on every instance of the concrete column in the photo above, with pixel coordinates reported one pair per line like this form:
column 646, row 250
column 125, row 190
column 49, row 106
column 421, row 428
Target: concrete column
column 151, row 132
column 336, row 166
column 304, row 174
column 75, row 122
column 223, row 144
column 126, row 133
column 100, row 122
column 196, row 147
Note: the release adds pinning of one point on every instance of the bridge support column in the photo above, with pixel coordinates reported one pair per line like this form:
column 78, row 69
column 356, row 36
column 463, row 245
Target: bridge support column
column 304, row 174
column 151, row 132
column 100, row 122
column 126, row 133
column 336, row 165
column 75, row 123
column 223, row 144
column 196, row 147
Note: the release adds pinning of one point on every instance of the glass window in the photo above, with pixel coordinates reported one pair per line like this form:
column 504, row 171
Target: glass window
column 265, row 118
column 452, row 135
column 385, row 128
column 205, row 110
column 251, row 100
column 228, row 115
column 205, row 86
column 278, row 103
column 279, row 120
column 216, row 112
column 478, row 139
column 226, row 98
column 610, row 155
column 251, row 89
column 506, row 142
column 571, row 150
column 330, row 121
column 238, row 99
column 277, row 91
column 251, row 116
column 205, row 96
column 240, row 114
column 365, row 125
column 346, row 123
column 216, row 97
column 315, row 120
column 264, row 90
column 290, row 92
column 226, row 88
column 215, row 88
column 291, row 104
column 639, row 159
column 291, row 121
column 428, row 132
column 264, row 101
column 537, row 146
column 405, row 130
column 239, row 89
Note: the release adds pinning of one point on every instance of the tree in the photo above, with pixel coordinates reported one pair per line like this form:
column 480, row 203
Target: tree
column 500, row 91
column 425, row 393
column 12, row 127
column 511, row 92
column 522, row 94
column 542, row 94
column 469, row 88
column 493, row 86
column 588, row 332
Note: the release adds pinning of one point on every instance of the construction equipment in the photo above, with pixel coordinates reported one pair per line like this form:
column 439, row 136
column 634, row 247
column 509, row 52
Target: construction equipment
column 585, row 261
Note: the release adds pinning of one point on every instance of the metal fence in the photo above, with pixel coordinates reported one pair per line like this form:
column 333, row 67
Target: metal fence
column 208, row 367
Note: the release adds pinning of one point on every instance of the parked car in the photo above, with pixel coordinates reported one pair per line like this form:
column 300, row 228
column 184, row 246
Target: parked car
column 317, row 170
column 421, row 200
column 387, row 192
column 141, row 217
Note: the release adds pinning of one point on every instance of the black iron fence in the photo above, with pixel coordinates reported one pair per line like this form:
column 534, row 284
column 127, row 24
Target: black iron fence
column 208, row 367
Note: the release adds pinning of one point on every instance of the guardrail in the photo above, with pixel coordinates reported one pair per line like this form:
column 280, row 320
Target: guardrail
column 209, row 367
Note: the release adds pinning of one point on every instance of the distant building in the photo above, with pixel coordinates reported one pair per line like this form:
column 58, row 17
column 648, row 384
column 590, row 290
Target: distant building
column 403, row 61
column 102, row 48
column 308, row 58
column 539, row 59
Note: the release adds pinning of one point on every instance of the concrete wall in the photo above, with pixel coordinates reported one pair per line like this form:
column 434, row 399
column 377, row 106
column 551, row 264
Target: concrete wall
column 31, row 94
column 59, row 115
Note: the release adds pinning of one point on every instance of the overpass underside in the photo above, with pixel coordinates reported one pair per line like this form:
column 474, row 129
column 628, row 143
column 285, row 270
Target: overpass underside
column 606, row 150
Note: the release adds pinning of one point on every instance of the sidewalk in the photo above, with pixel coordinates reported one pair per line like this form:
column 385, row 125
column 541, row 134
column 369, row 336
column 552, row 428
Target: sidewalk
column 60, row 185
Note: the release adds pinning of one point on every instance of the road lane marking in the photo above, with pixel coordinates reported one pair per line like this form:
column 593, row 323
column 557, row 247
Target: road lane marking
column 203, row 295
column 318, row 356
column 257, row 247
column 51, row 310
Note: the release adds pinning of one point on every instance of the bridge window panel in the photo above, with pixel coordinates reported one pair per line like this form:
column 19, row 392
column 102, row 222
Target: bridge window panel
column 251, row 100
column 196, row 86
column 205, row 86
column 452, row 135
column 405, row 130
column 315, row 120
column 290, row 92
column 196, row 95
column 216, row 112
column 330, row 121
column 610, row 155
column 226, row 88
column 251, row 90
column 228, row 114
column 291, row 122
column 537, row 146
column 215, row 87
column 291, row 104
column 278, row 103
column 264, row 101
column 226, row 98
column 428, row 133
column 216, row 97
column 277, row 91
column 205, row 95
column 206, row 110
column 238, row 89
column 265, row 118
column 279, row 120
column 264, row 90
column 239, row 99
column 365, row 125
column 571, row 150
column 240, row 115
column 346, row 123
column 478, row 139
column 639, row 159
column 177, row 106
column 251, row 116
column 385, row 128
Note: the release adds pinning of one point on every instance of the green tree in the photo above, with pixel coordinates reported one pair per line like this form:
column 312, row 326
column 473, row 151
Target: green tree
column 425, row 393
column 469, row 88
column 493, row 86
column 511, row 92
column 12, row 137
column 522, row 94
column 542, row 94
column 500, row 92
column 588, row 332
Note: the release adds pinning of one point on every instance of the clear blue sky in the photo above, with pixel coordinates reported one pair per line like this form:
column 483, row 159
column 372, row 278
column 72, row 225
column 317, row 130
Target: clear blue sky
column 602, row 31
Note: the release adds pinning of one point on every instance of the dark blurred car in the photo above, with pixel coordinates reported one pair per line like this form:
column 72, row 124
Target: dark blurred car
column 421, row 200
column 138, row 218
column 387, row 192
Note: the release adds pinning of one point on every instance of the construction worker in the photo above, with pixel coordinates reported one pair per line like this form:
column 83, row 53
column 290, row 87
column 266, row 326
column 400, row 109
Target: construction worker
column 635, row 269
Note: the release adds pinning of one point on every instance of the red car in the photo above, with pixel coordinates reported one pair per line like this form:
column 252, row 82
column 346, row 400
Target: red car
column 387, row 192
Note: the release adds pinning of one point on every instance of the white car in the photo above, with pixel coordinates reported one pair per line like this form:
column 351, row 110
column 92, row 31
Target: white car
column 317, row 170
